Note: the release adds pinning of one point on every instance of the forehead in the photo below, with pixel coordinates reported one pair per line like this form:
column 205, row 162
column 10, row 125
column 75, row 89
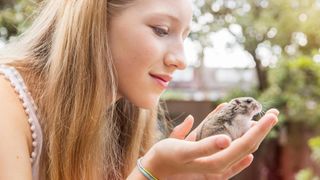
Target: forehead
column 180, row 10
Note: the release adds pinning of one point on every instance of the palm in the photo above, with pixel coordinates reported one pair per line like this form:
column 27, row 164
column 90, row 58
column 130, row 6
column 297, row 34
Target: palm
column 229, row 161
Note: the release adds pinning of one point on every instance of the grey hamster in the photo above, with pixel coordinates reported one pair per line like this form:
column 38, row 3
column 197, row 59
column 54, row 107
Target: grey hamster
column 233, row 119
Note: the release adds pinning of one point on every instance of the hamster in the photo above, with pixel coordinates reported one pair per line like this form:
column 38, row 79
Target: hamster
column 233, row 119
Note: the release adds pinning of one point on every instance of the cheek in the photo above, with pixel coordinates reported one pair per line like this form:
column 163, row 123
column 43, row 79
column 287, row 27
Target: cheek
column 133, row 61
column 137, row 51
column 135, row 56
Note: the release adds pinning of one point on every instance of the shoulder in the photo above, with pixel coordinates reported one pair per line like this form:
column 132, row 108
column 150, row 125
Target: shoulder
column 11, row 109
column 14, row 132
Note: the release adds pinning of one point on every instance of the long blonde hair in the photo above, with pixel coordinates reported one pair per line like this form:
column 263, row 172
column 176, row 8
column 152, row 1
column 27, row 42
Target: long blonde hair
column 66, row 62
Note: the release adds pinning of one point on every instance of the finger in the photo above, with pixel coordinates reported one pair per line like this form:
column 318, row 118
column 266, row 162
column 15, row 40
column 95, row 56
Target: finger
column 219, row 107
column 253, row 123
column 263, row 126
column 273, row 111
column 240, row 166
column 246, row 144
column 183, row 129
column 206, row 146
column 193, row 134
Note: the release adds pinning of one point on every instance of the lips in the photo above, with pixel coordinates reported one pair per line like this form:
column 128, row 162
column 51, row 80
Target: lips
column 162, row 79
column 165, row 78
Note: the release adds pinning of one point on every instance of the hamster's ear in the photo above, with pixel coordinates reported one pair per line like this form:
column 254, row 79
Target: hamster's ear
column 237, row 101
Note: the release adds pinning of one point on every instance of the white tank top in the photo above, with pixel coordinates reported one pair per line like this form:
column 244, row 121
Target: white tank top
column 13, row 76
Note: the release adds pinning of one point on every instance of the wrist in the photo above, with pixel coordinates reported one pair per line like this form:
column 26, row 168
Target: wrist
column 153, row 165
column 146, row 173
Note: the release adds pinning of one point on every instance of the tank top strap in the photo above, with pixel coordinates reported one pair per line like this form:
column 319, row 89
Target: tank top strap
column 18, row 84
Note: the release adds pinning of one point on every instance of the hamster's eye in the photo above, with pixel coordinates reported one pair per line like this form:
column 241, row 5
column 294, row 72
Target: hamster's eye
column 248, row 101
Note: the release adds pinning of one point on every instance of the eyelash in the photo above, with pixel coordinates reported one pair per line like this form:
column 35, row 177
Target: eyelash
column 161, row 32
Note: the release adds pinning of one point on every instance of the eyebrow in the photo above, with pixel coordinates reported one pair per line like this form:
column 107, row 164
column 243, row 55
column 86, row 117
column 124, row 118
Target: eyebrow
column 172, row 17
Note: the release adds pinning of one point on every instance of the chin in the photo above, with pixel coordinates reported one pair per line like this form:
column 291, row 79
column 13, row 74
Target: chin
column 146, row 102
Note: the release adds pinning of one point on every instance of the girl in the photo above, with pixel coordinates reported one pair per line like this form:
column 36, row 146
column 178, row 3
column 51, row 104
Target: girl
column 80, row 92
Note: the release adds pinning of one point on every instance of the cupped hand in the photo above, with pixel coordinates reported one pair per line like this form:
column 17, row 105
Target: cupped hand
column 214, row 157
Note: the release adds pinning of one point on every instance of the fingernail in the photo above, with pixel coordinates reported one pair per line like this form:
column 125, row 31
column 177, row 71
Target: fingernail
column 273, row 111
column 223, row 104
column 276, row 112
column 275, row 122
column 188, row 117
column 251, row 157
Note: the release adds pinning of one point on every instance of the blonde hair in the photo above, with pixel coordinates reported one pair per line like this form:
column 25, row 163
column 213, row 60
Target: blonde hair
column 66, row 62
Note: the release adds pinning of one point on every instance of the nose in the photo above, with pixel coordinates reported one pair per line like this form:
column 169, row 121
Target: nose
column 176, row 58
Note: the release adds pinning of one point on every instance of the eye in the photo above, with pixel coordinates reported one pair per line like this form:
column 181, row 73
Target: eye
column 248, row 101
column 161, row 32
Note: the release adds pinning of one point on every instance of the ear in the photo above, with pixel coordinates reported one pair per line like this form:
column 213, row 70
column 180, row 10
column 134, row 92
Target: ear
column 237, row 101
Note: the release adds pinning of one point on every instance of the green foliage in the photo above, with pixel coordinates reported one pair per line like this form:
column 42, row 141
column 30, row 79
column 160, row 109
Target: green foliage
column 314, row 144
column 272, row 21
column 295, row 90
column 284, row 27
column 307, row 173
column 14, row 19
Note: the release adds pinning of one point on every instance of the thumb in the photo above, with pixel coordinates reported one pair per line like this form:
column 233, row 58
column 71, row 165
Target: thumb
column 180, row 131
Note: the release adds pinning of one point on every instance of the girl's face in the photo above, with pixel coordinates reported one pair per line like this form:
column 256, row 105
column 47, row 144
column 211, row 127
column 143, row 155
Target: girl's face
column 147, row 46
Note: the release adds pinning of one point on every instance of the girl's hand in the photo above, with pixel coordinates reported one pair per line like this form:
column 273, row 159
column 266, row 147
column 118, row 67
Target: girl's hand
column 215, row 157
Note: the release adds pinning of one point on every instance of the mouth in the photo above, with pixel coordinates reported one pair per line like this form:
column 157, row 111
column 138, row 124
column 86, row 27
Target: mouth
column 162, row 79
column 258, row 109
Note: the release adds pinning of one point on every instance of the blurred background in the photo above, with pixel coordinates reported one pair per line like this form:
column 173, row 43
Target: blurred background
column 267, row 49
